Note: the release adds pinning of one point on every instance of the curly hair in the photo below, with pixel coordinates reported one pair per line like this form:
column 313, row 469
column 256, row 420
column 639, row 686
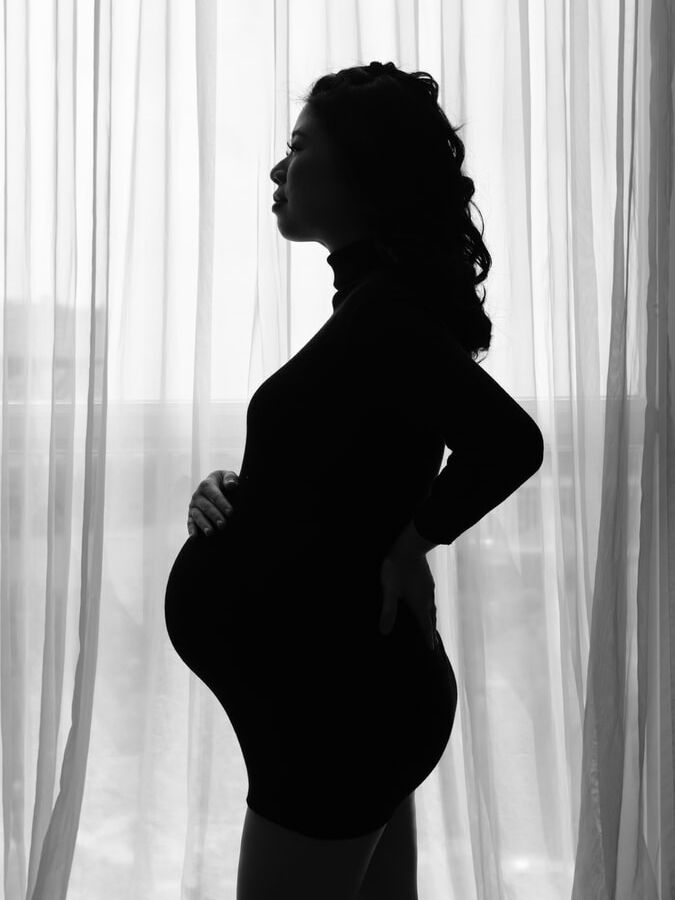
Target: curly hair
column 398, row 151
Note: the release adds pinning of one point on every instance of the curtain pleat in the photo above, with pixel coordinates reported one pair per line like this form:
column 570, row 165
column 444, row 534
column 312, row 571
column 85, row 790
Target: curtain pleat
column 49, row 872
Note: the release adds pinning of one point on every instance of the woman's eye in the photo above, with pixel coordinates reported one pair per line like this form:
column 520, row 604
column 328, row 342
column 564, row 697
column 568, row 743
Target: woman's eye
column 291, row 147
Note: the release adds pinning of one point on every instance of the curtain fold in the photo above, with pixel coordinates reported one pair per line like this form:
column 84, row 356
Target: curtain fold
column 629, row 668
column 147, row 293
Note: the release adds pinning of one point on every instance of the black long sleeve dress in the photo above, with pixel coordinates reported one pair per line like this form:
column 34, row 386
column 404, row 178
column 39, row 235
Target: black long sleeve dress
column 278, row 614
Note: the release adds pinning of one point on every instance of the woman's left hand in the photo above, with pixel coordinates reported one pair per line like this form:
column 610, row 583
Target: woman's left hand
column 408, row 578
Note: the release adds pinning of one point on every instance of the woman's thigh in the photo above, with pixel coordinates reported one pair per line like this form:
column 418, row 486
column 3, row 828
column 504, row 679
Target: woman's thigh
column 276, row 863
column 392, row 871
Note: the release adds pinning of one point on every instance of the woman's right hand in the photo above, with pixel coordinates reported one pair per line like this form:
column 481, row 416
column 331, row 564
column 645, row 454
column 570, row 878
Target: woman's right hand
column 209, row 507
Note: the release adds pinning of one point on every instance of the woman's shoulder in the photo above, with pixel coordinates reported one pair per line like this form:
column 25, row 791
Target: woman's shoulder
column 394, row 311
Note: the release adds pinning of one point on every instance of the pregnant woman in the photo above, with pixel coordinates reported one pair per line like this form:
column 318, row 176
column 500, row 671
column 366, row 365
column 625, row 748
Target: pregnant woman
column 310, row 614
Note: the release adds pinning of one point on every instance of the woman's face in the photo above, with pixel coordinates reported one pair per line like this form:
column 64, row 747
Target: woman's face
column 318, row 205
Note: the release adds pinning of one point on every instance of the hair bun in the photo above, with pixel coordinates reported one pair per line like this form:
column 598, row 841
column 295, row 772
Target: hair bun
column 377, row 67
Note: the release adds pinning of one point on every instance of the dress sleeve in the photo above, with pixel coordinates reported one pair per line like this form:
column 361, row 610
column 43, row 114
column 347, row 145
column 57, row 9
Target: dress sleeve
column 425, row 380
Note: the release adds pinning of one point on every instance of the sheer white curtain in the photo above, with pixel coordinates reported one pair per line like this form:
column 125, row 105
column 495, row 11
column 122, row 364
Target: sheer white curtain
column 146, row 294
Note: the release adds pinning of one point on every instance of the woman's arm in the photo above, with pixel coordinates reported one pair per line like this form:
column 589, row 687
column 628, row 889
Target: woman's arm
column 410, row 543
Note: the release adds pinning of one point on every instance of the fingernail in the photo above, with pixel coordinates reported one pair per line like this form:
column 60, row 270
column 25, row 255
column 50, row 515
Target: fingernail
column 219, row 523
column 207, row 531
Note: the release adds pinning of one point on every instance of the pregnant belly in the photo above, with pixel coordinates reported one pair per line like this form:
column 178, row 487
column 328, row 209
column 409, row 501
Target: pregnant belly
column 204, row 604
column 279, row 642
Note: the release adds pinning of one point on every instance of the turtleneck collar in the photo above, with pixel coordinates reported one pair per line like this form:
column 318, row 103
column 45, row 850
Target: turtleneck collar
column 351, row 265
